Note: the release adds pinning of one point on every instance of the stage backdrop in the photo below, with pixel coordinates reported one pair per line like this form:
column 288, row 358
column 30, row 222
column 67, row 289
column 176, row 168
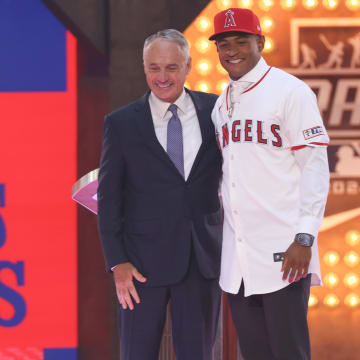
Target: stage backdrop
column 38, row 301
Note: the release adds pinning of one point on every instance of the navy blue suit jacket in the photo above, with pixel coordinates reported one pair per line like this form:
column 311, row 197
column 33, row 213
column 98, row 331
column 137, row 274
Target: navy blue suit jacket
column 148, row 214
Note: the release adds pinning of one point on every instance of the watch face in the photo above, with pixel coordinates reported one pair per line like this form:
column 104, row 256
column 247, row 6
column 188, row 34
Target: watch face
column 304, row 239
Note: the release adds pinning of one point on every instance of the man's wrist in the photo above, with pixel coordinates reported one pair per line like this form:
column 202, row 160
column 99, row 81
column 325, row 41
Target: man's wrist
column 304, row 239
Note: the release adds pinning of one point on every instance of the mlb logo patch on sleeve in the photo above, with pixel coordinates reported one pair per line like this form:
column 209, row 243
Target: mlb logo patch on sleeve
column 315, row 131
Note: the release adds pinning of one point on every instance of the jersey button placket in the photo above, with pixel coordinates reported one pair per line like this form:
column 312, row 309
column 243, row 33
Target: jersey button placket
column 236, row 221
column 233, row 195
column 231, row 188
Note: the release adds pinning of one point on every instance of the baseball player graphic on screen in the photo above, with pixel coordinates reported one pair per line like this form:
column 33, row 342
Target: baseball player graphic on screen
column 274, row 189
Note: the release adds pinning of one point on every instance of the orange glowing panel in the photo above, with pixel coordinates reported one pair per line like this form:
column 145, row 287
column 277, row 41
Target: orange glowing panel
column 288, row 4
column 269, row 45
column 310, row 4
column 246, row 3
column 331, row 280
column 203, row 86
column 353, row 5
column 225, row 4
column 203, row 23
column 331, row 258
column 265, row 5
column 267, row 24
column 352, row 300
column 330, row 4
column 352, row 258
column 331, row 300
column 202, row 45
column 204, row 67
column 351, row 280
column 313, row 300
column 221, row 85
column 352, row 237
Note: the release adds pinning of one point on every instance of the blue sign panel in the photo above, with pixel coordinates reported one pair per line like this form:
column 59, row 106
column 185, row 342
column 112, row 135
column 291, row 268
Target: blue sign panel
column 33, row 56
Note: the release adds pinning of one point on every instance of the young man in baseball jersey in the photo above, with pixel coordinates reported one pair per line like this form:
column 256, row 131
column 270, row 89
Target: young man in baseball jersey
column 274, row 190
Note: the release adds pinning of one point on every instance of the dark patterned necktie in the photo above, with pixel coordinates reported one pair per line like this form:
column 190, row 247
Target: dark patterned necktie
column 175, row 148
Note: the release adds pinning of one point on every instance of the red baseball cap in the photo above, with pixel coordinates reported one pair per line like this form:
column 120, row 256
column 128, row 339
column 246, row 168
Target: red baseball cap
column 235, row 19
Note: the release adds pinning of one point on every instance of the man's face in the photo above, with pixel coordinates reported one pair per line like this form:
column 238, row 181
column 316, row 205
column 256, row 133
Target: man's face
column 239, row 53
column 166, row 67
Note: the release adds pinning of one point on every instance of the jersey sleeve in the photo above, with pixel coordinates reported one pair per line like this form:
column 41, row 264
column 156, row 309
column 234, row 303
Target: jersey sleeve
column 314, row 188
column 303, row 124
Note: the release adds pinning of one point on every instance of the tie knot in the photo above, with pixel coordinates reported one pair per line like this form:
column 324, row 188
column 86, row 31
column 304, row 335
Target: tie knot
column 241, row 85
column 237, row 88
column 173, row 109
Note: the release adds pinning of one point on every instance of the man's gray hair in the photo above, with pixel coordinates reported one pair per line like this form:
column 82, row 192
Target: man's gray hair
column 170, row 35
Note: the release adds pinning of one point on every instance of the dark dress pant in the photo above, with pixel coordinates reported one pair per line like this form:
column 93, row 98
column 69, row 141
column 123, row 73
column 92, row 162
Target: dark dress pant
column 273, row 326
column 194, row 306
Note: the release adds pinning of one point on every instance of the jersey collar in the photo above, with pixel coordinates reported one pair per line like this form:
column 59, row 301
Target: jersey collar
column 254, row 74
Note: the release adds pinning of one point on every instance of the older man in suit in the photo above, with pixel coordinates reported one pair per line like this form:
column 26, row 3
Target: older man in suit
column 159, row 212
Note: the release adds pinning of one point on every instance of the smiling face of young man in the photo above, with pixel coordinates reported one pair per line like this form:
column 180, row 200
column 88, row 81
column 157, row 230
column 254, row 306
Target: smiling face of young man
column 166, row 66
column 239, row 52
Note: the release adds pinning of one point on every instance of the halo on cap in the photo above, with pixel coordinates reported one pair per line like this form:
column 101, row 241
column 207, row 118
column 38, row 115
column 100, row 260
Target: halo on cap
column 236, row 20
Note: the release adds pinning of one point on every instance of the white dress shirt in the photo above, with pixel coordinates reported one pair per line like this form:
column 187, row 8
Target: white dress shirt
column 189, row 122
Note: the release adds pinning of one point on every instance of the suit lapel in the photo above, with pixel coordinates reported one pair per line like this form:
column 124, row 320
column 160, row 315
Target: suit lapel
column 146, row 129
column 145, row 125
column 207, row 134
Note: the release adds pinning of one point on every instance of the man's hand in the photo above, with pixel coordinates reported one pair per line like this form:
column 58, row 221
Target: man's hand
column 123, row 277
column 296, row 262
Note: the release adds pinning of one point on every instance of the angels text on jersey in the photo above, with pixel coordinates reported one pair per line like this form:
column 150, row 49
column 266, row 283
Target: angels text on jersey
column 249, row 131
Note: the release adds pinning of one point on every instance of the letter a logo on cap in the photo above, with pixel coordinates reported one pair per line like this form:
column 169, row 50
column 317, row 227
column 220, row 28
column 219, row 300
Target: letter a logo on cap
column 229, row 20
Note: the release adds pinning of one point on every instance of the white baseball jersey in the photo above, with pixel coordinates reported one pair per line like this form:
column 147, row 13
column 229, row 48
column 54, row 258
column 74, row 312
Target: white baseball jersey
column 258, row 132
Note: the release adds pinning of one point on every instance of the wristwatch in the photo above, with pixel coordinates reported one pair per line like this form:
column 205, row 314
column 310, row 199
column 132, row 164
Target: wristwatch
column 304, row 239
